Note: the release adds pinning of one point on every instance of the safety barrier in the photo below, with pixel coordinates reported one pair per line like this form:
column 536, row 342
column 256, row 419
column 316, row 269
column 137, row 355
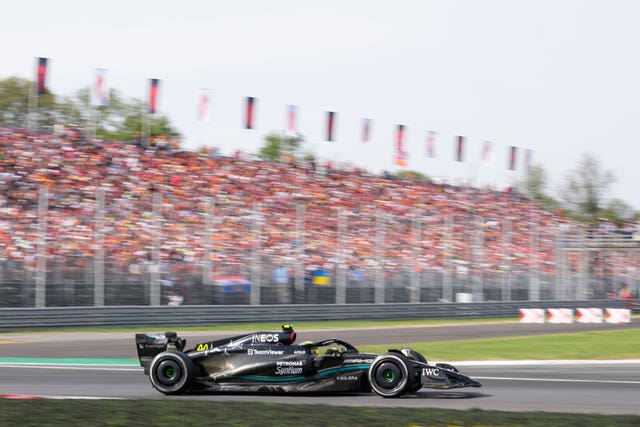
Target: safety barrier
column 590, row 315
column 13, row 319
column 582, row 315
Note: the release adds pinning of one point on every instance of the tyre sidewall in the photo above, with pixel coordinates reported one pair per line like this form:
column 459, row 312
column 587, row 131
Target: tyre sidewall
column 186, row 370
column 398, row 389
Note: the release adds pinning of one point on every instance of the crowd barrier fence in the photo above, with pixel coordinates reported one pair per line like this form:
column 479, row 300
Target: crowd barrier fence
column 16, row 319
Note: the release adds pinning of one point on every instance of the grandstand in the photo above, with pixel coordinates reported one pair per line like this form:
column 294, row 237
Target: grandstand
column 113, row 223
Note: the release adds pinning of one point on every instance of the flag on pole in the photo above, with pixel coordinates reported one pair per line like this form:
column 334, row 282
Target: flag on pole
column 487, row 154
column 401, row 155
column 153, row 95
column 459, row 154
column 528, row 160
column 41, row 76
column 513, row 153
column 291, row 119
column 331, row 119
column 249, row 112
column 366, row 130
column 431, row 144
column 100, row 90
column 203, row 105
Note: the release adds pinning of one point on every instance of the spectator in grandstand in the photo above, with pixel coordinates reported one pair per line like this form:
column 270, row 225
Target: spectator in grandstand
column 625, row 292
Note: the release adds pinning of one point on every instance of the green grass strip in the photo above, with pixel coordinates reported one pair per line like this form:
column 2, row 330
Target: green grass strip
column 188, row 413
column 622, row 344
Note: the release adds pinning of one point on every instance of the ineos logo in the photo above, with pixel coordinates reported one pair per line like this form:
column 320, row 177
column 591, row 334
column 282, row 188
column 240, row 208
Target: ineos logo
column 265, row 338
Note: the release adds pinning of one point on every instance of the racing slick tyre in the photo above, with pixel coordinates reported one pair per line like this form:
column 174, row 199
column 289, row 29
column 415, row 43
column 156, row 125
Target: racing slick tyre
column 171, row 372
column 389, row 375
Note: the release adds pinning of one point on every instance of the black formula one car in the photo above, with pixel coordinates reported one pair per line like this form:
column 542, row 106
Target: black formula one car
column 271, row 362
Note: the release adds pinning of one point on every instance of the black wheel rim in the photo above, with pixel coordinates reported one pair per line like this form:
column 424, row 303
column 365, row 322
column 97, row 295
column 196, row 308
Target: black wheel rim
column 388, row 375
column 168, row 372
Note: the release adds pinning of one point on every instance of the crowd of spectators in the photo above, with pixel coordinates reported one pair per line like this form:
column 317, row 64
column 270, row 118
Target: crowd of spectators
column 226, row 208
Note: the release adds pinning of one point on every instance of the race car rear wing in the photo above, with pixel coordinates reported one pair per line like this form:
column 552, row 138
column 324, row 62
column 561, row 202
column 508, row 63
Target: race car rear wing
column 149, row 345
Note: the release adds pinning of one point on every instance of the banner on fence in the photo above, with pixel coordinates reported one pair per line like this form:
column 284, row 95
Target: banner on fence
column 559, row 315
column 618, row 315
column 589, row 315
column 531, row 315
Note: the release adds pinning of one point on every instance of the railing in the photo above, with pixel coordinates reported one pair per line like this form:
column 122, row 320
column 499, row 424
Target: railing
column 595, row 241
column 130, row 317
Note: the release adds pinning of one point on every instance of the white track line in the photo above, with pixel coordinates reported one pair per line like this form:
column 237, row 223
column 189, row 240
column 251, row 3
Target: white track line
column 557, row 380
column 543, row 362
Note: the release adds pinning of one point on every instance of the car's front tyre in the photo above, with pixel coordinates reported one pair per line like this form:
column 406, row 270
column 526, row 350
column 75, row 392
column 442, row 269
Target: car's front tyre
column 172, row 372
column 388, row 375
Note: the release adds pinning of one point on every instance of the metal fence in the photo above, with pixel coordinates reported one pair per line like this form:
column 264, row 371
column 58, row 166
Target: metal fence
column 229, row 254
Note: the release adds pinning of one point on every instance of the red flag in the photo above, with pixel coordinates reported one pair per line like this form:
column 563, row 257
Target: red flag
column 486, row 153
column 203, row 105
column 41, row 76
column 153, row 95
column 459, row 148
column 330, row 125
column 431, row 143
column 250, row 108
column 513, row 153
column 401, row 155
column 100, row 91
column 291, row 120
column 366, row 130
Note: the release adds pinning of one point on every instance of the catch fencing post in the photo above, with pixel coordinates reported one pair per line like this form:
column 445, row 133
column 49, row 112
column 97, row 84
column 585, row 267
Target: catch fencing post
column 155, row 297
column 300, row 268
column 414, row 291
column 380, row 241
column 506, row 284
column 478, row 276
column 41, row 255
column 208, row 244
column 583, row 279
column 560, row 267
column 98, row 293
column 534, row 265
column 341, row 296
column 255, row 254
column 447, row 277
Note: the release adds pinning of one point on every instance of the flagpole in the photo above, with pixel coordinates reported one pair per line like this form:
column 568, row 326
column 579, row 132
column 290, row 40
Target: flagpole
column 30, row 106
column 96, row 115
column 32, row 110
column 90, row 122
column 35, row 117
column 146, row 128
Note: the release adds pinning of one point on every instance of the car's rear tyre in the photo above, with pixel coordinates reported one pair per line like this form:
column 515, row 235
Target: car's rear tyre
column 172, row 372
column 388, row 375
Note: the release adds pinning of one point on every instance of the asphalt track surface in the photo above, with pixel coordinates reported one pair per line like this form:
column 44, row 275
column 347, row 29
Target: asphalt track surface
column 594, row 387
